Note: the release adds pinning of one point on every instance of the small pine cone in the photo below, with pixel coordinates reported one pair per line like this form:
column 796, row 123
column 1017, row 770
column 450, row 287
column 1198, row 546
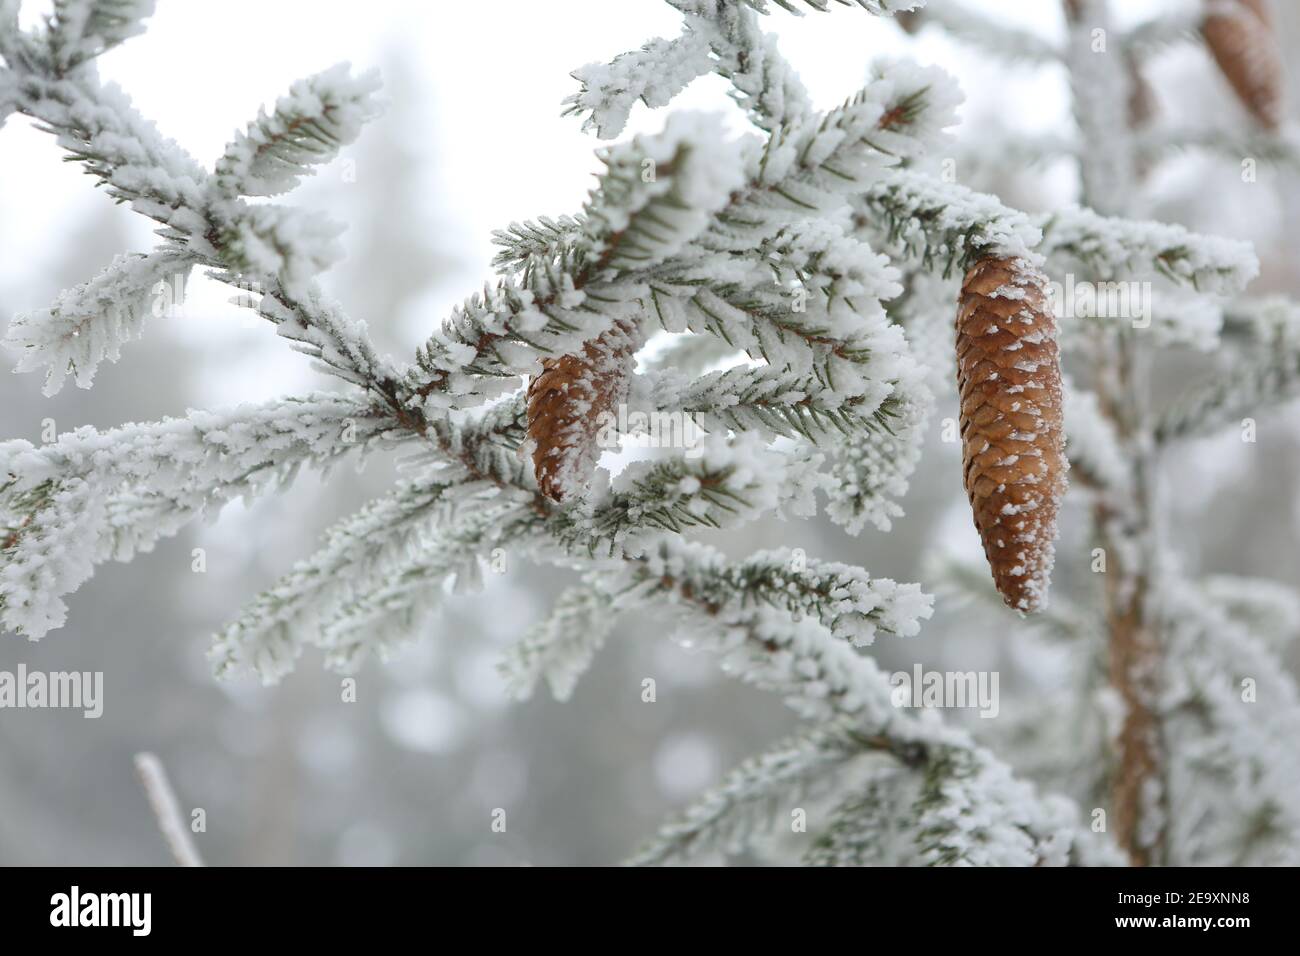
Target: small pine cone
column 1243, row 43
column 1013, row 446
column 568, row 404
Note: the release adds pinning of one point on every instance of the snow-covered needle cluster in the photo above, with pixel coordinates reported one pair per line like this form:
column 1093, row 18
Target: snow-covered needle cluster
column 794, row 265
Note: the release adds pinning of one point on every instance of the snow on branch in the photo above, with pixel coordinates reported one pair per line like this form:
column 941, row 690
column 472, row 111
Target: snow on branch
column 867, row 827
column 871, row 468
column 92, row 496
column 82, row 29
column 720, row 36
column 989, row 35
column 653, row 74
column 1229, row 716
column 724, row 483
column 1263, row 371
column 972, row 811
column 1279, row 148
column 376, row 621
column 1269, row 323
column 1268, row 610
column 657, row 193
column 89, row 323
column 560, row 648
column 1247, row 387
column 776, row 402
column 725, row 818
column 320, row 115
column 945, row 226
column 269, row 249
column 290, row 244
column 634, row 242
column 542, row 240
column 1121, row 248
column 847, row 601
column 402, row 545
column 1096, row 457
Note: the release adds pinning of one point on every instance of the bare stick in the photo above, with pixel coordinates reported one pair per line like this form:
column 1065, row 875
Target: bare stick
column 166, row 809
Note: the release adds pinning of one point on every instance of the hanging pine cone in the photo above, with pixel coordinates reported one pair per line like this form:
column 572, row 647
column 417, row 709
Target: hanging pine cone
column 1009, row 381
column 567, row 403
column 1240, row 36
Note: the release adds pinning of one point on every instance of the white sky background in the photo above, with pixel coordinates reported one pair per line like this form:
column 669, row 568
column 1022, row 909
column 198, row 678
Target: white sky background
column 495, row 72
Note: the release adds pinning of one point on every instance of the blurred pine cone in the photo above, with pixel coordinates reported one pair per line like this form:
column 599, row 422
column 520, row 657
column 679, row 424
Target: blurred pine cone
column 1240, row 37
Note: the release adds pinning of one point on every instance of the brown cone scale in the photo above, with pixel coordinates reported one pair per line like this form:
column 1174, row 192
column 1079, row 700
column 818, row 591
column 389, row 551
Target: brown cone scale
column 1013, row 445
column 568, row 403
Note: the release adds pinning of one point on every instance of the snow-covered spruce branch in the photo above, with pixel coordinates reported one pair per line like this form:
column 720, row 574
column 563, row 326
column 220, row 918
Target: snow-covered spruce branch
column 89, row 323
column 1279, row 149
column 635, row 242
column 718, row 36
column 268, row 250
column 83, row 29
column 306, row 128
column 775, row 402
column 92, row 496
column 1096, row 457
column 1245, row 388
column 999, row 39
column 867, row 827
column 944, row 226
column 1229, row 713
column 357, row 553
column 561, row 647
column 845, row 600
column 974, row 812
column 729, row 815
column 1263, row 371
column 1267, row 324
column 870, row 469
column 1111, row 249
column 728, row 483
column 428, row 528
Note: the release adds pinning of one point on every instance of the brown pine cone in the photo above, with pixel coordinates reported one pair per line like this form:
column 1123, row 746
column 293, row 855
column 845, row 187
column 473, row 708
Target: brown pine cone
column 567, row 405
column 1243, row 43
column 1013, row 446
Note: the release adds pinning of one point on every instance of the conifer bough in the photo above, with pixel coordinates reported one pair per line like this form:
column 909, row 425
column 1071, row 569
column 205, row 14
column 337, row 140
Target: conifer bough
column 1013, row 456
